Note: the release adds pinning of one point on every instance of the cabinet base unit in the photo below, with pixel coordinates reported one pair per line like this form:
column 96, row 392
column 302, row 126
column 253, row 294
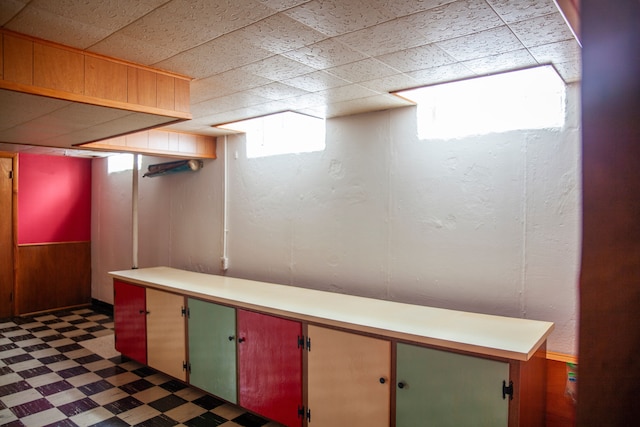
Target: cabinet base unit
column 212, row 348
column 130, row 322
column 307, row 358
column 349, row 379
column 270, row 366
column 448, row 389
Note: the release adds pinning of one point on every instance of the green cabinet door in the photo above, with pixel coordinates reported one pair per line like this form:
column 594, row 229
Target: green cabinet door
column 438, row 388
column 212, row 348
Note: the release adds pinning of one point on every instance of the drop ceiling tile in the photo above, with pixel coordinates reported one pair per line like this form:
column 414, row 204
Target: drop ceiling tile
column 319, row 112
column 278, row 67
column 316, row 81
column 566, row 51
column 119, row 45
column 335, row 17
column 362, row 105
column 17, row 108
column 569, row 71
column 217, row 56
column 280, row 33
column 325, row 54
column 485, row 43
column 514, row 11
column 417, row 58
column 391, row 36
column 502, row 62
column 184, row 24
column 345, row 93
column 361, row 71
column 9, row 9
column 51, row 26
column 224, row 84
column 455, row 19
column 391, row 83
column 543, row 30
column 226, row 103
column 280, row 5
column 408, row 7
column 444, row 73
column 277, row 91
column 310, row 100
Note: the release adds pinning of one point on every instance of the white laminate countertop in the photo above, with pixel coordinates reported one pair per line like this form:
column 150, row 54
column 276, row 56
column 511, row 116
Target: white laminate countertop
column 498, row 336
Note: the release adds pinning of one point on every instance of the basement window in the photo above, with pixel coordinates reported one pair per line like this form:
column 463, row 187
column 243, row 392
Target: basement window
column 281, row 133
column 532, row 98
column 121, row 162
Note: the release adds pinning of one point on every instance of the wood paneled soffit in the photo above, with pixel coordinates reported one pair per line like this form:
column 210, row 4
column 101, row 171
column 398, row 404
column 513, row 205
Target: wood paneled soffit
column 59, row 96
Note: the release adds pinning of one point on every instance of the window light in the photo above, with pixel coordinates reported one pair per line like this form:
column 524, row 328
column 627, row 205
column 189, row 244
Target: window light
column 532, row 98
column 121, row 162
column 282, row 133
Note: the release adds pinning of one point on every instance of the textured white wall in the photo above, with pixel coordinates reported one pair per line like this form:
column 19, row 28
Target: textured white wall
column 488, row 223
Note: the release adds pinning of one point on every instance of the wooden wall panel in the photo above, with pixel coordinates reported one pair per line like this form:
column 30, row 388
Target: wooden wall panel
column 1, row 56
column 609, row 338
column 18, row 60
column 561, row 411
column 166, row 92
column 142, row 87
column 53, row 276
column 57, row 68
column 182, row 95
column 158, row 140
column 105, row 79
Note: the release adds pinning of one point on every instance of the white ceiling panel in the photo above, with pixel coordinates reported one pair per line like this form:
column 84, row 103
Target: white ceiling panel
column 336, row 17
column 253, row 57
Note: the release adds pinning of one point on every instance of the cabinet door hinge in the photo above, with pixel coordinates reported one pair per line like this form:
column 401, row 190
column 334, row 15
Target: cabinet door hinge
column 301, row 411
column 507, row 390
column 186, row 366
column 308, row 415
column 301, row 341
column 10, row 174
column 308, row 344
column 184, row 311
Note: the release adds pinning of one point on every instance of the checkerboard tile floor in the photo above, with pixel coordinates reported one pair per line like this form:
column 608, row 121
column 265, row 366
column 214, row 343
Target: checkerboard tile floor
column 47, row 378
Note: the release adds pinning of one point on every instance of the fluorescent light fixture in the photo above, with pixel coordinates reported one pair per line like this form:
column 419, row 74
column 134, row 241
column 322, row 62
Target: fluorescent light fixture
column 281, row 133
column 532, row 98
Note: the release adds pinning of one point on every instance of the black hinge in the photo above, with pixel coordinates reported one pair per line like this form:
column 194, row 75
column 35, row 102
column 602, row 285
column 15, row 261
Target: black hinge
column 308, row 415
column 301, row 411
column 184, row 311
column 10, row 174
column 186, row 366
column 308, row 344
column 507, row 390
column 300, row 341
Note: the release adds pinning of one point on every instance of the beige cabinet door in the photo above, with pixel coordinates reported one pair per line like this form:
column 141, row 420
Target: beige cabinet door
column 348, row 379
column 166, row 334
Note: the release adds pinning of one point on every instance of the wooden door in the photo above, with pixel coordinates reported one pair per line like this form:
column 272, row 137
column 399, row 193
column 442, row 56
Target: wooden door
column 212, row 348
column 438, row 388
column 6, row 237
column 130, row 321
column 166, row 333
column 349, row 379
column 270, row 366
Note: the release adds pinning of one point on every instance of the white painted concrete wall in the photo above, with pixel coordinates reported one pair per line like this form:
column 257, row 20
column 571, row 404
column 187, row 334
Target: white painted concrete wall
column 488, row 224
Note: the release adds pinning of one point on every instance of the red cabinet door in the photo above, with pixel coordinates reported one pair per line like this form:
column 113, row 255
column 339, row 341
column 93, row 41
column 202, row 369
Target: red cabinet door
column 270, row 366
column 129, row 316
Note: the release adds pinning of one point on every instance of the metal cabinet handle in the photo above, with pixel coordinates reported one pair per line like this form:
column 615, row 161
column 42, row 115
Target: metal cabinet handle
column 231, row 337
column 401, row 385
column 383, row 380
column 241, row 339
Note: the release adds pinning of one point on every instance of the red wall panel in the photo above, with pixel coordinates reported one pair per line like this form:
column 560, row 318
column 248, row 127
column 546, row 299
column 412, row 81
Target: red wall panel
column 54, row 199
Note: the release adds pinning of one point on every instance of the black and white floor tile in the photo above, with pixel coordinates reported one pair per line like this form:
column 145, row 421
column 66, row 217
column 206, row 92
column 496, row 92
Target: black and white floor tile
column 49, row 378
